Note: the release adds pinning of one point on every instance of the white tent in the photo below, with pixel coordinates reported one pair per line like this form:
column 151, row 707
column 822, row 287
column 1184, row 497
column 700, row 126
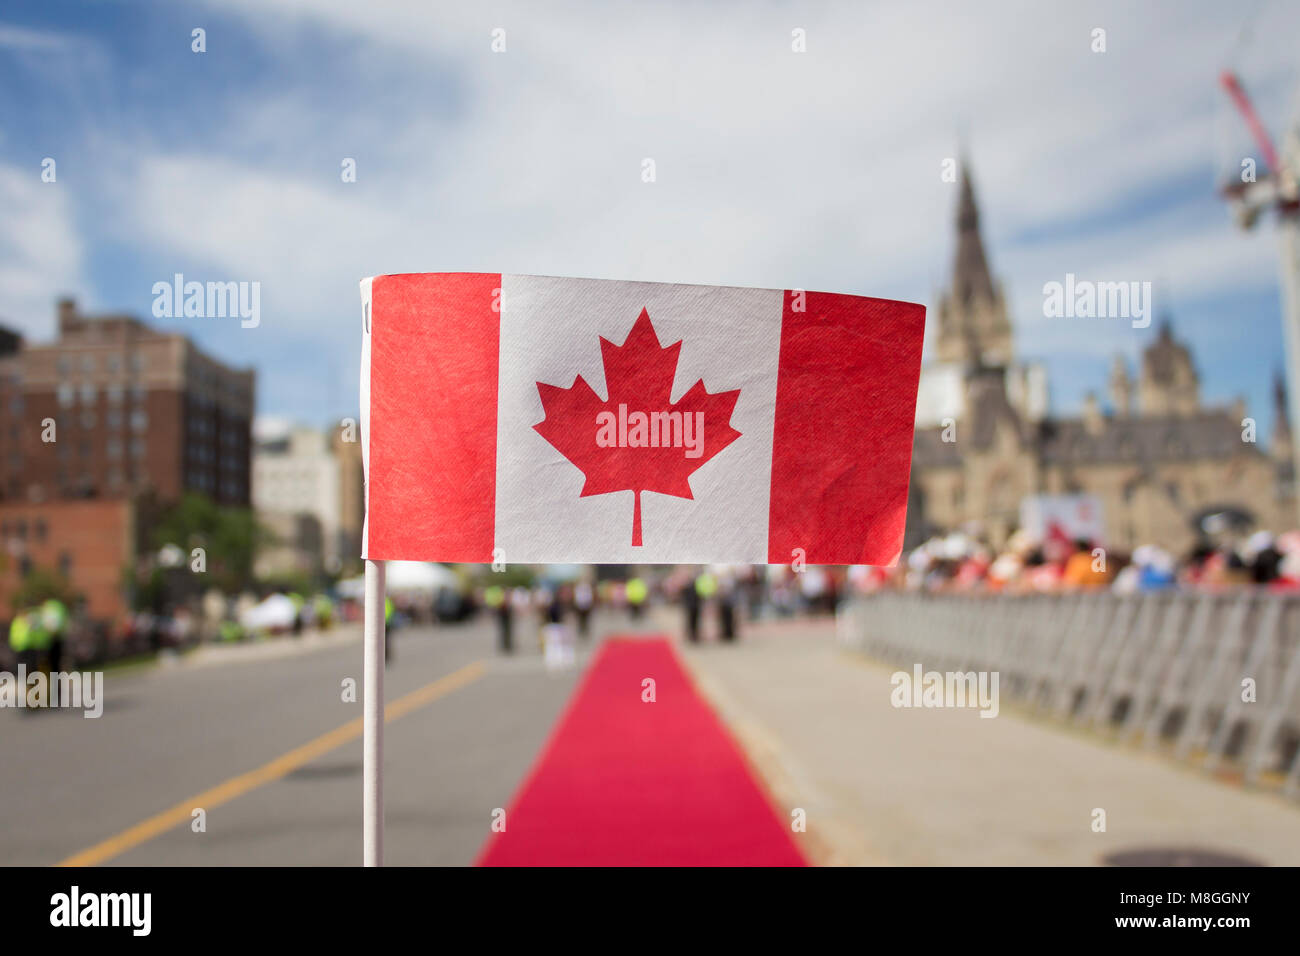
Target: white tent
column 418, row 578
column 353, row 588
column 276, row 611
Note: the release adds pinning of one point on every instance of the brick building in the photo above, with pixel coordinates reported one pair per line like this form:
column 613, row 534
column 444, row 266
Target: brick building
column 136, row 410
column 111, row 414
column 91, row 543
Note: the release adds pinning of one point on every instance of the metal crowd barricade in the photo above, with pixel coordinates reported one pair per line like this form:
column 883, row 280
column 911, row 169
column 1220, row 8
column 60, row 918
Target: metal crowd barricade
column 1214, row 678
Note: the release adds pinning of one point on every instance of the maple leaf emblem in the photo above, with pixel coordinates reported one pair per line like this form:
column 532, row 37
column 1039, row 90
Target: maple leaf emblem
column 637, row 439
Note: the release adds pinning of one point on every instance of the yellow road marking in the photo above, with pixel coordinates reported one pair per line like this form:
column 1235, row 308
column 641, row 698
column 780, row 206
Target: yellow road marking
column 279, row 767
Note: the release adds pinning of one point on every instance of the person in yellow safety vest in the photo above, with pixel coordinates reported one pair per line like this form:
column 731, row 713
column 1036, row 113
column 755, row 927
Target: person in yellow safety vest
column 324, row 611
column 54, row 618
column 20, row 633
column 636, row 592
column 28, row 639
column 388, row 631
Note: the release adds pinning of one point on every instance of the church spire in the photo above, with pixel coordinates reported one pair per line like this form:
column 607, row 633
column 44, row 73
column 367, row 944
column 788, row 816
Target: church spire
column 973, row 325
column 1281, row 418
column 971, row 280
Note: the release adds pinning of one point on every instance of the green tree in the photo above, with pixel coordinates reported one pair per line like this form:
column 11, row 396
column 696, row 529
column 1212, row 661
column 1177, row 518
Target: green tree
column 229, row 537
column 40, row 585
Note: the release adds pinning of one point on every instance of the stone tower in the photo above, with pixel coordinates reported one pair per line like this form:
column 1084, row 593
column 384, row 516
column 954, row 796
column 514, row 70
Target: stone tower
column 1121, row 388
column 1169, row 384
column 973, row 325
column 1280, row 448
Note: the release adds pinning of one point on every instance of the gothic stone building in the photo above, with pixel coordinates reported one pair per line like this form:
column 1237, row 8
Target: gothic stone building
column 1157, row 459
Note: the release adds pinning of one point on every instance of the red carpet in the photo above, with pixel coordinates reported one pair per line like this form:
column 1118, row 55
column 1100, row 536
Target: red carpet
column 627, row 783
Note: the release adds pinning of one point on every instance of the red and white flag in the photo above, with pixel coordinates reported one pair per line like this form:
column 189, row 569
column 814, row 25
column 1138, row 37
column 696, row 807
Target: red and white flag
column 531, row 419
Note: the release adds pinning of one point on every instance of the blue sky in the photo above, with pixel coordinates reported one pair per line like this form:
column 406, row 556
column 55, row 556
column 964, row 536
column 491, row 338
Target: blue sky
column 815, row 170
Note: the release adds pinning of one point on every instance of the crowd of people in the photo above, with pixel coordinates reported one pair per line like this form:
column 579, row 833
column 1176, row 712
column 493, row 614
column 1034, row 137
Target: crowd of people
column 552, row 605
column 961, row 562
column 713, row 600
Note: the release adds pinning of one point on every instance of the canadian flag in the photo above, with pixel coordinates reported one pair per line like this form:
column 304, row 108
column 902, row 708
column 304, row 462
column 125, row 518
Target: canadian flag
column 531, row 419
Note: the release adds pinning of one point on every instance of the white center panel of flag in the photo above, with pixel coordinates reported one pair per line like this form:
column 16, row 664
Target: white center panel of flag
column 550, row 333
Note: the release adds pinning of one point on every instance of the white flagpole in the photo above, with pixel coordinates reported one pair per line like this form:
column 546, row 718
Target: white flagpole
column 372, row 720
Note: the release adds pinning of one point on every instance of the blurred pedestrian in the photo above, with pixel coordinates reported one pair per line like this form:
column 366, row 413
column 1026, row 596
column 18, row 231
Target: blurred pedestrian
column 389, row 609
column 728, row 595
column 498, row 602
column 54, row 621
column 1083, row 569
column 636, row 593
column 584, row 599
column 691, row 605
column 27, row 639
column 323, row 611
column 1262, row 557
column 298, row 612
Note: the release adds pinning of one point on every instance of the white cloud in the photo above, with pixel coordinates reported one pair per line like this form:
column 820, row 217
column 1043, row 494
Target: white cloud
column 817, row 170
column 272, row 427
column 40, row 250
column 25, row 40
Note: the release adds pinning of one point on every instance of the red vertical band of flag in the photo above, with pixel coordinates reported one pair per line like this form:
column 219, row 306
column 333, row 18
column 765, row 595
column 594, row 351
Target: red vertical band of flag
column 433, row 415
column 845, row 401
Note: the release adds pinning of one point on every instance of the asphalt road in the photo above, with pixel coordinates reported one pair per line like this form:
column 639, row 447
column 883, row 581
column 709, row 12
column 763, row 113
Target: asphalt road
column 261, row 735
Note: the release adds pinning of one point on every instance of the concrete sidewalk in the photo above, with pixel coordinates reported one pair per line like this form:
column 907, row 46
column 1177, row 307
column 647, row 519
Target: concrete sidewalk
column 913, row 786
column 264, row 649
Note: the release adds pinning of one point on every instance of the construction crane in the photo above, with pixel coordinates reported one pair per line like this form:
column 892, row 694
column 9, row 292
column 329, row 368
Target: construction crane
column 1276, row 188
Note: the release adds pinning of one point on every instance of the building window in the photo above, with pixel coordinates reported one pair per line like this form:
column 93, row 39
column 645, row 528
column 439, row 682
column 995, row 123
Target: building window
column 139, row 420
column 115, row 394
column 39, row 530
column 137, row 448
column 67, row 395
column 63, row 365
column 137, row 362
column 138, row 393
column 65, row 563
column 88, row 363
column 114, row 448
column 87, row 394
column 87, row 419
column 113, row 419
